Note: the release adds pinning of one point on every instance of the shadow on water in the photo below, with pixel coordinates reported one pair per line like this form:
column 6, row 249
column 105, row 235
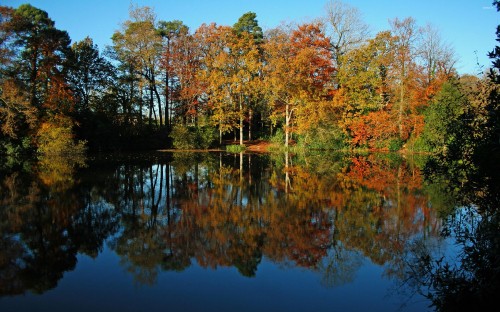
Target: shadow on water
column 324, row 213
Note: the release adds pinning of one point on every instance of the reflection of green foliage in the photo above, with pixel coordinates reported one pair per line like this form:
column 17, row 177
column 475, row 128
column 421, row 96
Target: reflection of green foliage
column 58, row 171
column 471, row 283
column 46, row 223
column 339, row 266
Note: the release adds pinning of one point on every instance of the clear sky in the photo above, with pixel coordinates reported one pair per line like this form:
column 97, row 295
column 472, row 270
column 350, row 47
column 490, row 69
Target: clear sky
column 467, row 25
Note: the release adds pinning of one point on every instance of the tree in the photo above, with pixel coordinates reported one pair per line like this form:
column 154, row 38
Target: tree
column 138, row 45
column 230, row 73
column 444, row 120
column 406, row 36
column 297, row 75
column 173, row 32
column 17, row 116
column 345, row 28
column 248, row 23
column 44, row 51
column 213, row 41
column 495, row 53
column 438, row 61
column 6, row 53
column 363, row 77
column 89, row 73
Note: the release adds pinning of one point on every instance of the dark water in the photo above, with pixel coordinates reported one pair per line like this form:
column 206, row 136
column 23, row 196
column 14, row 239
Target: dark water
column 221, row 232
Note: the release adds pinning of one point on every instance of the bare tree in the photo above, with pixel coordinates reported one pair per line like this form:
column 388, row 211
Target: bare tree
column 344, row 25
column 438, row 57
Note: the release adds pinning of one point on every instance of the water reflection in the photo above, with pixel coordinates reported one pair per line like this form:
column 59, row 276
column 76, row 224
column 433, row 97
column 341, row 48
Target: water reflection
column 162, row 212
column 47, row 218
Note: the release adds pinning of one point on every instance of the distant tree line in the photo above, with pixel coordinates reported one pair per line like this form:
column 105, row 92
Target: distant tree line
column 327, row 84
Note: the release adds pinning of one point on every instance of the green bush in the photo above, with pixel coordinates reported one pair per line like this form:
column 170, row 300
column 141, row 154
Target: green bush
column 395, row 144
column 182, row 137
column 324, row 138
column 206, row 136
column 278, row 138
column 191, row 137
column 235, row 148
column 55, row 137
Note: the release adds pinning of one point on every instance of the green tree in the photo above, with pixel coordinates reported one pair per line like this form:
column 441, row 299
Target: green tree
column 248, row 23
column 44, row 50
column 89, row 74
column 444, row 120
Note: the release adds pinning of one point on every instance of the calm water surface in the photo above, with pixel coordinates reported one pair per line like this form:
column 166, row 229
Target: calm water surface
column 216, row 232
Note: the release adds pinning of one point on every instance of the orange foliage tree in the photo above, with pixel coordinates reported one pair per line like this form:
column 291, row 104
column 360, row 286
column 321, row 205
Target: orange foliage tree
column 297, row 75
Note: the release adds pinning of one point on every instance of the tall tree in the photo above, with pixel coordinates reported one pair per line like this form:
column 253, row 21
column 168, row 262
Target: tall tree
column 363, row 78
column 438, row 61
column 171, row 31
column 139, row 45
column 89, row 73
column 248, row 23
column 44, row 50
column 406, row 36
column 213, row 41
column 344, row 25
column 297, row 74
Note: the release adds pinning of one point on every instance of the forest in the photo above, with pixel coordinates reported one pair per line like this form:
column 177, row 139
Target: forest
column 326, row 85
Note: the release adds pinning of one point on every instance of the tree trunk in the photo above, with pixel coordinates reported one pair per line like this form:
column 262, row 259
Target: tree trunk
column 250, row 125
column 241, row 121
column 155, row 89
column 287, row 124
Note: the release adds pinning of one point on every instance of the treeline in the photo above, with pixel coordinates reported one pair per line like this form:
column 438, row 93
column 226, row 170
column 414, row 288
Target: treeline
column 327, row 84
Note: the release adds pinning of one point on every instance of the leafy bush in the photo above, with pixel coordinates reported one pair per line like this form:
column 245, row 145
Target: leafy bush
column 324, row 138
column 182, row 137
column 190, row 137
column 395, row 144
column 206, row 136
column 55, row 137
column 235, row 148
column 278, row 138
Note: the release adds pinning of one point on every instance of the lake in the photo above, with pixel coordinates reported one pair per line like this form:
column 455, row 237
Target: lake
column 221, row 232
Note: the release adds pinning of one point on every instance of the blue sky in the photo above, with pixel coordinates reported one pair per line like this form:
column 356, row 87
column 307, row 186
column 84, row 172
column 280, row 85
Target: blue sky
column 467, row 25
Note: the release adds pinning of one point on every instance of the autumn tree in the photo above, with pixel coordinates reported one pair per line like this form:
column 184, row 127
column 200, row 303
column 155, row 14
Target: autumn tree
column 364, row 78
column 213, row 41
column 17, row 116
column 34, row 85
column 175, row 35
column 297, row 73
column 138, row 45
column 230, row 74
column 248, row 24
column 44, row 50
column 406, row 35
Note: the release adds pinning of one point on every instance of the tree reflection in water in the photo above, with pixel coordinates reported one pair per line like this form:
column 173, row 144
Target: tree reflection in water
column 163, row 211
column 470, row 282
